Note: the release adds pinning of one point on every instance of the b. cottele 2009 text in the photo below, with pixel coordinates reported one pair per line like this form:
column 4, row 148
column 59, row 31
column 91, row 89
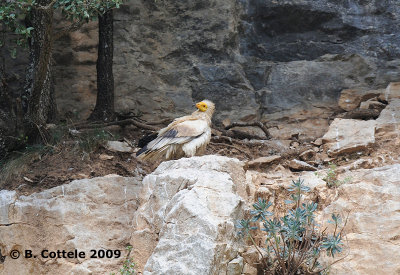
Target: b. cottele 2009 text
column 75, row 254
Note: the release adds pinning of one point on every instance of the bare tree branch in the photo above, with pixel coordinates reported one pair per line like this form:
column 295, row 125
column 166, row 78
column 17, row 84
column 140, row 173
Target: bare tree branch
column 254, row 124
column 120, row 123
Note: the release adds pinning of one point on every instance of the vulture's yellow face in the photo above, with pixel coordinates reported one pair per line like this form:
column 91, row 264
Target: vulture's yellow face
column 202, row 106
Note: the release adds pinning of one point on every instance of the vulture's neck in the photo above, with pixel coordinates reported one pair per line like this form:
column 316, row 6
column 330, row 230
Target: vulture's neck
column 207, row 115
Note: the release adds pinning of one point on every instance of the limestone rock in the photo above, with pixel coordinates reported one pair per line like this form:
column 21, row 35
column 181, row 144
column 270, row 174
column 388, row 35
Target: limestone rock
column 299, row 165
column 349, row 135
column 188, row 215
column 350, row 99
column 85, row 214
column 372, row 199
column 118, row 146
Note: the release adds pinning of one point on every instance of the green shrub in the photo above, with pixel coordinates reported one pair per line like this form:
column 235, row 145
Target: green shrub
column 295, row 241
column 331, row 177
column 128, row 267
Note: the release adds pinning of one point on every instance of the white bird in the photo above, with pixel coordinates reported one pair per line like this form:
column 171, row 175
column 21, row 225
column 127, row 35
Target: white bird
column 185, row 136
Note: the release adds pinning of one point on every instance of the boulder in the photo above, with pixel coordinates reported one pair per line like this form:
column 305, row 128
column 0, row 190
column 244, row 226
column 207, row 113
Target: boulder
column 187, row 217
column 84, row 214
column 349, row 135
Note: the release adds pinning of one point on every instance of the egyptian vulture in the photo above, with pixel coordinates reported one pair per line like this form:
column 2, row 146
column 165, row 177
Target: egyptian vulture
column 185, row 136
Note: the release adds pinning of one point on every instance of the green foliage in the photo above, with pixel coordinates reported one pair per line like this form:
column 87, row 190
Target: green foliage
column 331, row 177
column 294, row 242
column 128, row 267
column 84, row 9
column 13, row 13
column 90, row 140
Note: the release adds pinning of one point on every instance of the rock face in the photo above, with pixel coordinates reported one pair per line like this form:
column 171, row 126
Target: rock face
column 255, row 59
column 85, row 214
column 373, row 201
column 188, row 215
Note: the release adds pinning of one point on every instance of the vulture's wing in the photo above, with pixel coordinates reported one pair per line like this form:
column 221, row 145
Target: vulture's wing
column 177, row 133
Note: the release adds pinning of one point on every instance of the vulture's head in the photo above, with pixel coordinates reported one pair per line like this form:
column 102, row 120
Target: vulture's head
column 206, row 106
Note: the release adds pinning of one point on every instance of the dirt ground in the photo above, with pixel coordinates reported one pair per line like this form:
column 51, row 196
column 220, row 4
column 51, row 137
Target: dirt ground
column 66, row 161
column 43, row 169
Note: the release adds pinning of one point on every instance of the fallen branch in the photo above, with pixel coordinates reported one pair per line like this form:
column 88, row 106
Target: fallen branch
column 246, row 124
column 233, row 147
column 119, row 123
column 160, row 122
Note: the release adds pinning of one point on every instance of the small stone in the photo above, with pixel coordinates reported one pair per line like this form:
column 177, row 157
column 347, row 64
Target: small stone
column 81, row 176
column 249, row 270
column 105, row 157
column 294, row 144
column 226, row 122
column 215, row 132
column 251, row 256
column 235, row 266
column 263, row 192
column 308, row 155
column 318, row 142
column 301, row 165
column 372, row 104
column 118, row 146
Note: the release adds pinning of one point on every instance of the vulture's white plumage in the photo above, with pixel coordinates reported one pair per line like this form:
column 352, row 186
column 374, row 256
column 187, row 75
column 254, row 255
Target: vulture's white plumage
column 185, row 136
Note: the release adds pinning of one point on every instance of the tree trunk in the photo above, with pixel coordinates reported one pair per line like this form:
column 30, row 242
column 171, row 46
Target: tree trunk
column 104, row 109
column 41, row 107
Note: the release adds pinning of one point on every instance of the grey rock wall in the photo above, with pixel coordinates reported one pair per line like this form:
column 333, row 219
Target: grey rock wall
column 261, row 59
column 255, row 59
